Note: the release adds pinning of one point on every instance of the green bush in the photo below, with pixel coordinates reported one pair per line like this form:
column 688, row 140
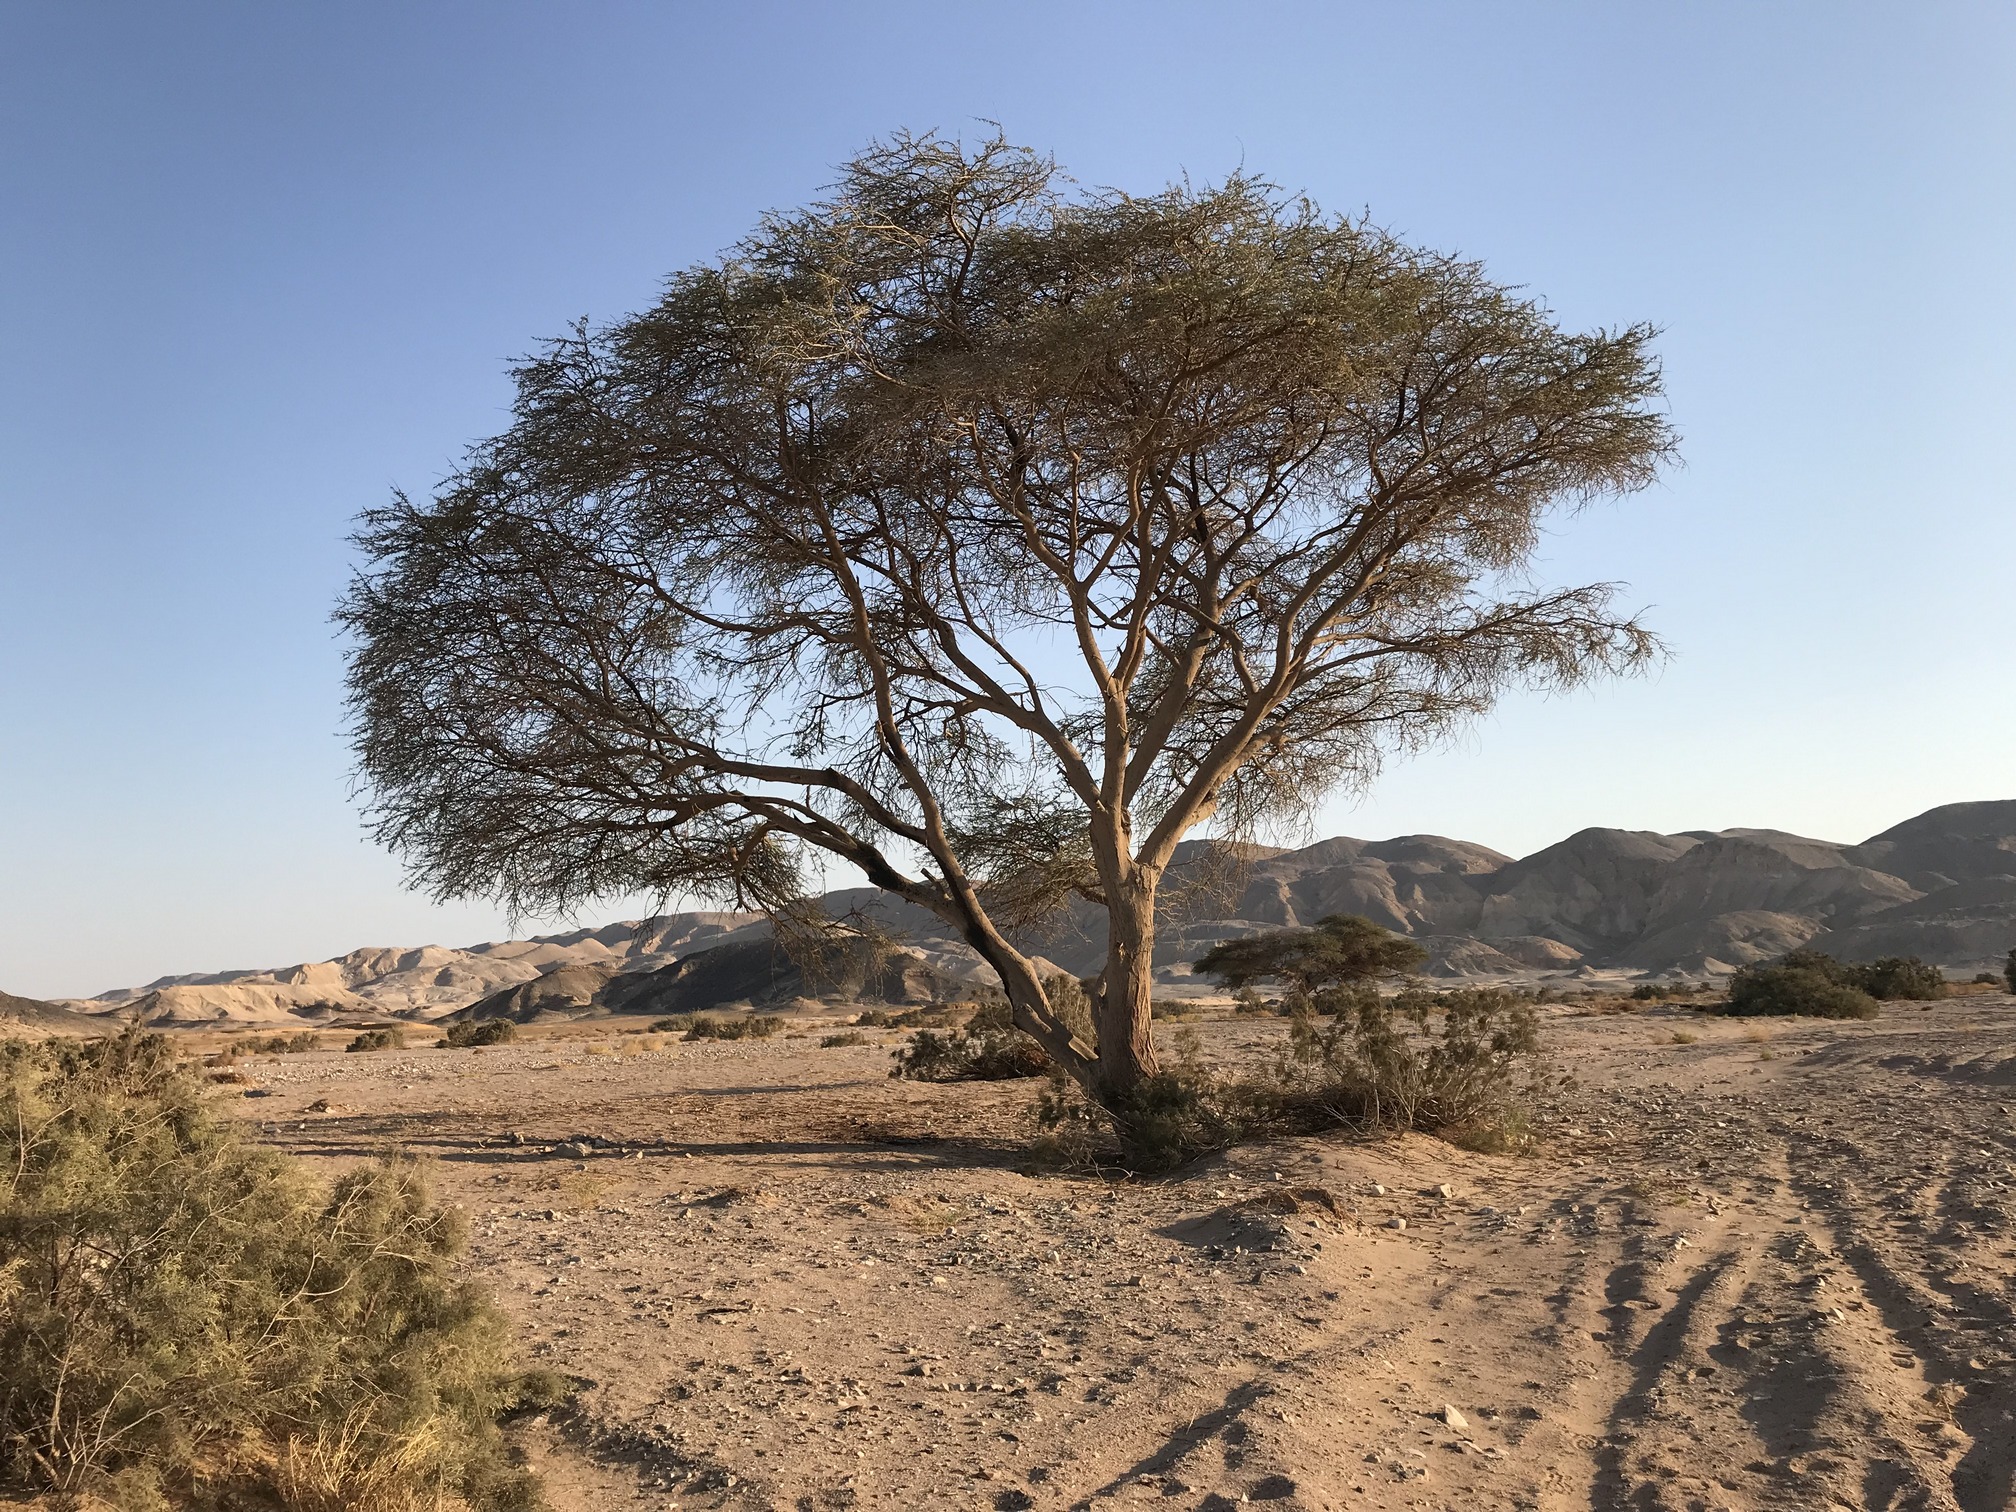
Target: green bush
column 189, row 1320
column 472, row 1034
column 1803, row 982
column 377, row 1039
column 707, row 1027
column 1895, row 978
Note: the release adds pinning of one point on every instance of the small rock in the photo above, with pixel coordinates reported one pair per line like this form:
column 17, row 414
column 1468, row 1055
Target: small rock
column 1378, row 1190
column 1396, row 1222
column 1445, row 1191
column 1454, row 1418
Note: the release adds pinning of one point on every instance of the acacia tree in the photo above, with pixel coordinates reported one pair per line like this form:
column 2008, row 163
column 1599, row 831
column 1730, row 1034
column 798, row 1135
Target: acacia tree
column 1340, row 951
column 990, row 535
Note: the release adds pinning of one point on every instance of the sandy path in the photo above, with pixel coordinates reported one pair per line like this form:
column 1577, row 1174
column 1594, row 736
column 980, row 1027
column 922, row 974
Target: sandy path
column 1748, row 1272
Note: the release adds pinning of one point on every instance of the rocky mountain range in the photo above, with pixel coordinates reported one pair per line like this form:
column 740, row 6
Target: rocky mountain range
column 1941, row 886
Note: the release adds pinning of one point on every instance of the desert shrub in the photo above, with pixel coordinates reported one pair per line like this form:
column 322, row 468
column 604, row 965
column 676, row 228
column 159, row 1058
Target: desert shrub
column 987, row 1047
column 189, row 1320
column 1898, row 977
column 1986, row 979
column 471, row 1034
column 706, row 1027
column 1248, row 1003
column 845, row 1037
column 1459, row 1064
column 279, row 1044
column 931, row 1016
column 1803, row 982
column 2009, row 971
column 377, row 1039
column 1436, row 1062
column 1658, row 992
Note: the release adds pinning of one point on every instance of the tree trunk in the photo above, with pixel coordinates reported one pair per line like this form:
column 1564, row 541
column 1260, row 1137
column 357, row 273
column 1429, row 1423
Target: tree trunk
column 1123, row 1011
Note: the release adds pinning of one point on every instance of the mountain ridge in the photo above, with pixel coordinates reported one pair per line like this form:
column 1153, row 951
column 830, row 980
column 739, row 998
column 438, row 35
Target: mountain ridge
column 1940, row 885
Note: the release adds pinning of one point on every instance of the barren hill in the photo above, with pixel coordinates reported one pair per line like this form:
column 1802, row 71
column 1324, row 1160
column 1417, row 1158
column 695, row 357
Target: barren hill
column 1941, row 886
column 31, row 1018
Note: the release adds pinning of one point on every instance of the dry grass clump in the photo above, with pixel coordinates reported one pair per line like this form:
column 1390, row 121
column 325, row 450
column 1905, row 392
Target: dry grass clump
column 845, row 1037
column 190, row 1321
column 377, row 1039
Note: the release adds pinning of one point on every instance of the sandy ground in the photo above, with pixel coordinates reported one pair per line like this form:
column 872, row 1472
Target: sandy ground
column 1768, row 1268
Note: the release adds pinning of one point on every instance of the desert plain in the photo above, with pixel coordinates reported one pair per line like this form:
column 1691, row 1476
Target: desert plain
column 1748, row 1264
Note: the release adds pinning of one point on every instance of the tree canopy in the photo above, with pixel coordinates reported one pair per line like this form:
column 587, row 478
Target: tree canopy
column 1340, row 950
column 990, row 535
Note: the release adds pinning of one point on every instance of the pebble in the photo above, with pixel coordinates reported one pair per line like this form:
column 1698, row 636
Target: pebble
column 1454, row 1418
column 1396, row 1222
column 1378, row 1190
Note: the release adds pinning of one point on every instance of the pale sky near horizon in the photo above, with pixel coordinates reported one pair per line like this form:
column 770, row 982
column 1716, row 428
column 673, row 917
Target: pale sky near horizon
column 265, row 263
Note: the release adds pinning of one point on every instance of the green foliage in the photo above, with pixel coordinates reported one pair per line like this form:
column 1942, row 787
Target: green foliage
column 276, row 1044
column 187, row 1319
column 377, row 1039
column 706, row 1027
column 1320, row 965
column 472, row 1034
column 1806, row 982
column 1895, row 978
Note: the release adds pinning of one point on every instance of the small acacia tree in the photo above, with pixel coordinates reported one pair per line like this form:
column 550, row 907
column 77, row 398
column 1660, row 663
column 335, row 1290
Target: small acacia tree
column 990, row 536
column 1337, row 954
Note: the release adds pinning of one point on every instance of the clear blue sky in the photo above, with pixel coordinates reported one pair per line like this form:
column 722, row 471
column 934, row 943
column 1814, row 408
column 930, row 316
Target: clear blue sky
column 265, row 262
